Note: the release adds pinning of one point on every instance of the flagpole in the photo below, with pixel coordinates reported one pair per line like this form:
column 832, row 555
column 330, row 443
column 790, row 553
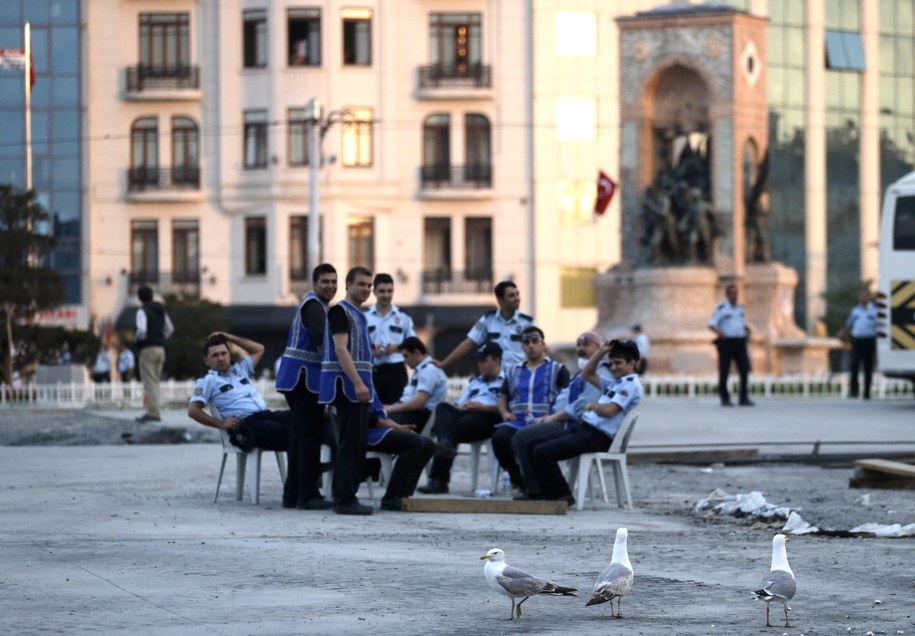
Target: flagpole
column 27, row 37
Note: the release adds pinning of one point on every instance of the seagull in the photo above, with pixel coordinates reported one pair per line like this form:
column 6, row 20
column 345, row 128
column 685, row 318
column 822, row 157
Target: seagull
column 616, row 579
column 515, row 583
column 779, row 583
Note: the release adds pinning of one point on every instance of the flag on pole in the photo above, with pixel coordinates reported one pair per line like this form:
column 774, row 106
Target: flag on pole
column 14, row 60
column 606, row 188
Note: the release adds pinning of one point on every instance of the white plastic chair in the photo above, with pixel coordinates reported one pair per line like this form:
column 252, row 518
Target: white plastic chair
column 580, row 467
column 494, row 469
column 241, row 465
column 387, row 467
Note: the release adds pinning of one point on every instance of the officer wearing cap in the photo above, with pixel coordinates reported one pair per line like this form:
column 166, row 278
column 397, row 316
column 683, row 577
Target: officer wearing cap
column 471, row 419
column 861, row 325
column 503, row 326
column 730, row 327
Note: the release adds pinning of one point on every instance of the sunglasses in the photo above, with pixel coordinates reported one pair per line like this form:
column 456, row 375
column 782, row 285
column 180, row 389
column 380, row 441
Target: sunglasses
column 531, row 338
column 583, row 342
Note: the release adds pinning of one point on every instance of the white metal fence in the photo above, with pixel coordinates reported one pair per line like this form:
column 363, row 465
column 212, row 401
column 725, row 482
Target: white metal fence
column 130, row 395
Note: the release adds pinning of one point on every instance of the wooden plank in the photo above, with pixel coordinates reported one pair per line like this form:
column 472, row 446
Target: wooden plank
column 882, row 473
column 886, row 466
column 482, row 505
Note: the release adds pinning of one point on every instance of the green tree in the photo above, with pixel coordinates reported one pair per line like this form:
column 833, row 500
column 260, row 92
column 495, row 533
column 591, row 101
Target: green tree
column 839, row 301
column 26, row 286
column 194, row 319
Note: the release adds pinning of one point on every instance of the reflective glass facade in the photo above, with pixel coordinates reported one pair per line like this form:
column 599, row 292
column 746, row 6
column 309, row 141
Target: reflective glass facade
column 897, row 74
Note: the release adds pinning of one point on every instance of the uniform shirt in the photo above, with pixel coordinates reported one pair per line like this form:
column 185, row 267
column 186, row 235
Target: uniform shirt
column 625, row 393
column 126, row 361
column 233, row 394
column 102, row 362
column 483, row 390
column 862, row 321
column 573, row 398
column 729, row 319
column 493, row 327
column 389, row 329
column 427, row 378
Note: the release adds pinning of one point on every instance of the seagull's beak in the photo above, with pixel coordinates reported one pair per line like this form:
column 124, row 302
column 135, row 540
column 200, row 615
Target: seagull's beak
column 485, row 557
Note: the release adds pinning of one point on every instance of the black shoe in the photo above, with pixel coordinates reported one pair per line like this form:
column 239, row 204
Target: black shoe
column 434, row 487
column 852, row 396
column 747, row 403
column 729, row 403
column 527, row 497
column 354, row 508
column 289, row 504
column 392, row 503
column 315, row 504
column 569, row 499
column 146, row 417
column 444, row 448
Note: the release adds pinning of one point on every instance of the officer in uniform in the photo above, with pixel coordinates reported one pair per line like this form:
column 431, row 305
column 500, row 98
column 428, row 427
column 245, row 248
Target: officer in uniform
column 426, row 388
column 503, row 326
column 730, row 327
column 471, row 419
column 861, row 325
column 388, row 327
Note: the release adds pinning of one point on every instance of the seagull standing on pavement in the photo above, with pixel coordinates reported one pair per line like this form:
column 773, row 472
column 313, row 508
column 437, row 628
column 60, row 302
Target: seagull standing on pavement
column 515, row 583
column 616, row 579
column 779, row 584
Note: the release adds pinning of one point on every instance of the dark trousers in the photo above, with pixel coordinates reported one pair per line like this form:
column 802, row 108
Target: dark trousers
column 304, row 453
column 863, row 351
column 268, row 430
column 545, row 456
column 413, row 453
column 502, row 448
column 352, row 424
column 523, row 444
column 389, row 381
column 417, row 418
column 458, row 427
column 732, row 350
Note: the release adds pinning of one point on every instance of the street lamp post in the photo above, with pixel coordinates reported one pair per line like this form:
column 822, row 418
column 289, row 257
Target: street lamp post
column 313, row 112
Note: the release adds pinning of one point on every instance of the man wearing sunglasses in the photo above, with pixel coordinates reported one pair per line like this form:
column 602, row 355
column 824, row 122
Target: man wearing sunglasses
column 503, row 326
column 599, row 422
column 529, row 392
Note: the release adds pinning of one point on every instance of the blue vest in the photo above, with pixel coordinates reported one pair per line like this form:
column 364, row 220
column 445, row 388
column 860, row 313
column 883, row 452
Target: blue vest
column 533, row 391
column 360, row 348
column 301, row 355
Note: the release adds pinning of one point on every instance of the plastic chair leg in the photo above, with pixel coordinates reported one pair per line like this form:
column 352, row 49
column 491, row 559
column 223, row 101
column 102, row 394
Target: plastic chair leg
column 241, row 464
column 222, row 468
column 474, row 466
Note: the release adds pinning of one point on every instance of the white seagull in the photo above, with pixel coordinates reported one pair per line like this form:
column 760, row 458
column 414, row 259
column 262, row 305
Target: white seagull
column 616, row 579
column 515, row 583
column 778, row 584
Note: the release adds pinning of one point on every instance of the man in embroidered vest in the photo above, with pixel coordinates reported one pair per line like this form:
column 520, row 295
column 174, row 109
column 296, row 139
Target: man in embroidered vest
column 529, row 392
column 298, row 379
column 346, row 382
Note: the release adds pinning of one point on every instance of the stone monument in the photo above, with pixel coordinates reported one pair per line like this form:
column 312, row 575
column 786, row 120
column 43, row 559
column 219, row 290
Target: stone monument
column 693, row 170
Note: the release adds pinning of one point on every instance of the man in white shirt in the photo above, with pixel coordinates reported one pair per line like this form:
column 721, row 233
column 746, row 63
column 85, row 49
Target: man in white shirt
column 153, row 327
column 730, row 326
column 389, row 326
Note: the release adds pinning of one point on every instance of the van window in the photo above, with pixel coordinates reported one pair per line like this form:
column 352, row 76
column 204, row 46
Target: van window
column 904, row 227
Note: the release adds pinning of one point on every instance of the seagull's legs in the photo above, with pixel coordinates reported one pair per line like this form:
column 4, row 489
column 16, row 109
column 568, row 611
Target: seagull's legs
column 787, row 624
column 619, row 608
column 518, row 610
column 511, row 616
column 768, row 624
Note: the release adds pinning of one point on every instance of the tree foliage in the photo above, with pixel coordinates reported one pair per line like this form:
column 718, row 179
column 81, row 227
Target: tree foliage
column 839, row 301
column 194, row 319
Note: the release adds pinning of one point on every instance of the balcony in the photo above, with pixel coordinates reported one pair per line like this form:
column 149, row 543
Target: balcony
column 157, row 83
column 163, row 184
column 455, row 182
column 183, row 283
column 447, row 281
column 455, row 81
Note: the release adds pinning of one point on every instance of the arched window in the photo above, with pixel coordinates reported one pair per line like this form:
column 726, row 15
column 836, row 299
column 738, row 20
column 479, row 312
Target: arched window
column 478, row 149
column 144, row 153
column 185, row 152
column 437, row 148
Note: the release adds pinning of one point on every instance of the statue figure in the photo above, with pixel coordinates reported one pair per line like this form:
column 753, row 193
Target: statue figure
column 756, row 220
column 659, row 226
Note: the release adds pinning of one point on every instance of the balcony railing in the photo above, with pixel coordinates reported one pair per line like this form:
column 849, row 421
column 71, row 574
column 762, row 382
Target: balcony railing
column 470, row 176
column 447, row 281
column 162, row 78
column 450, row 75
column 186, row 283
column 159, row 179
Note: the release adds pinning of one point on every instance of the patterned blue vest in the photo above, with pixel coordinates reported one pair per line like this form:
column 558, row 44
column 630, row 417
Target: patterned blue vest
column 301, row 355
column 360, row 348
column 533, row 392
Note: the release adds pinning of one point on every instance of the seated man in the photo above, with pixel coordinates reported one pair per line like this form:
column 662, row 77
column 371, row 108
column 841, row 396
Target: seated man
column 413, row 453
column 471, row 419
column 601, row 419
column 427, row 387
column 243, row 411
column 529, row 392
column 574, row 397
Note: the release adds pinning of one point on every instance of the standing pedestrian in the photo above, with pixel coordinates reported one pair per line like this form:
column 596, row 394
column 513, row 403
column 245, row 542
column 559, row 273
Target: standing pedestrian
column 389, row 326
column 640, row 338
column 153, row 327
column 861, row 326
column 126, row 362
column 730, row 326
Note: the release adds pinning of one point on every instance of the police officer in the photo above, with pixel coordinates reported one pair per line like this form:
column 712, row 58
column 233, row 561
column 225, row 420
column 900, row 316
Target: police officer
column 503, row 326
column 471, row 419
column 730, row 327
column 861, row 325
column 425, row 390
column 388, row 327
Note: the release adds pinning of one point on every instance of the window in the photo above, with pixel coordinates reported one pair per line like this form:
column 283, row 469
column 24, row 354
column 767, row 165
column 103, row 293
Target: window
column 844, row 51
column 357, row 138
column 361, row 235
column 303, row 28
column 477, row 150
column 185, row 251
column 357, row 37
column 478, row 248
column 456, row 42
column 576, row 34
column 577, row 287
column 185, row 152
column 298, row 137
column 254, row 38
column 144, row 153
column 437, row 250
column 437, row 148
column 298, row 248
column 144, row 252
column 255, row 246
column 904, row 224
column 576, row 119
column 255, row 139
column 165, row 41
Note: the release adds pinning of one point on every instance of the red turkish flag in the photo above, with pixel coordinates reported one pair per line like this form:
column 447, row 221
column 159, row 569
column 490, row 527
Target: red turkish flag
column 606, row 188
